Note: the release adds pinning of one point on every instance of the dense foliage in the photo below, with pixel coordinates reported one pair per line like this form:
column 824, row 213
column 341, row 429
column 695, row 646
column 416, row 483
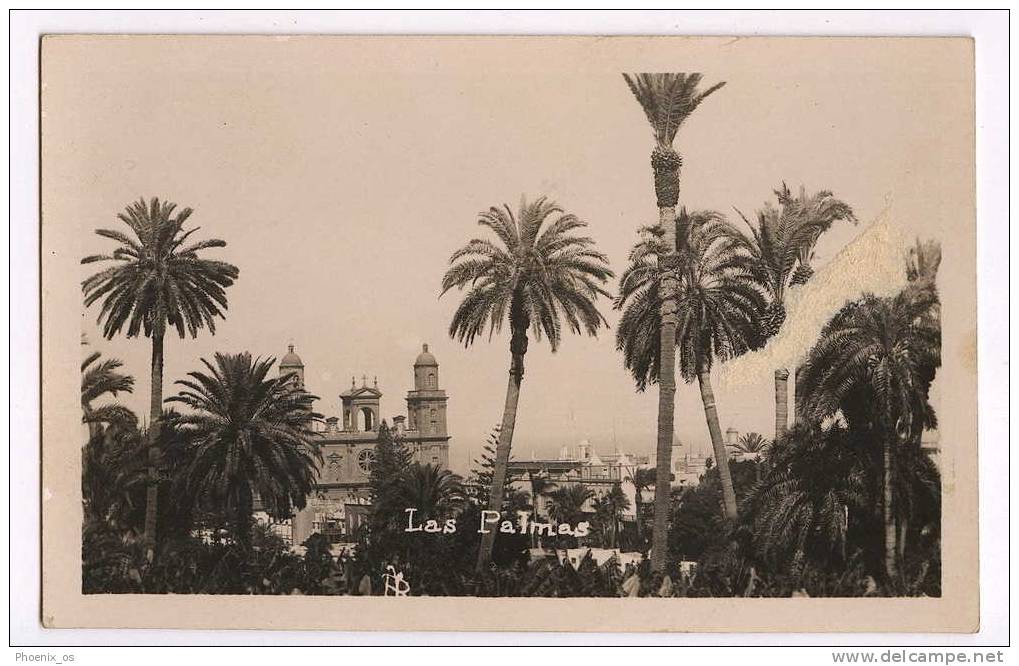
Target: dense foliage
column 847, row 502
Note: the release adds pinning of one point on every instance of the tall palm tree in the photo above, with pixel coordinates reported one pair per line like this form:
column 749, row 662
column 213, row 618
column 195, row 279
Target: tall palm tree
column 248, row 433
column 667, row 101
column 436, row 493
column 536, row 275
column 782, row 243
column 642, row 479
column 157, row 281
column 718, row 309
column 888, row 348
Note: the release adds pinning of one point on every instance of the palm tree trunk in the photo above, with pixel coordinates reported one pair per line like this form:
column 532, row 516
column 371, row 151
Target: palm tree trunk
column 797, row 397
column 666, row 389
column 888, row 513
column 717, row 445
column 781, row 402
column 902, row 534
column 536, row 493
column 94, row 428
column 242, row 520
column 518, row 347
column 637, row 497
column 155, row 414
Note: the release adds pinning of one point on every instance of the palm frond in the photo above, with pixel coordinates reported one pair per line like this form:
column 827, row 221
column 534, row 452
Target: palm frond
column 719, row 301
column 668, row 99
column 535, row 274
column 156, row 283
column 248, row 433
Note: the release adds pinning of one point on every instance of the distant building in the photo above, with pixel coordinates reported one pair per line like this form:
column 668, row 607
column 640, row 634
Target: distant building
column 598, row 473
column 339, row 501
column 731, row 436
column 689, row 468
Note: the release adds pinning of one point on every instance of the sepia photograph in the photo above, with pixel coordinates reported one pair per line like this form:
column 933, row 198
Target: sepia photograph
column 648, row 324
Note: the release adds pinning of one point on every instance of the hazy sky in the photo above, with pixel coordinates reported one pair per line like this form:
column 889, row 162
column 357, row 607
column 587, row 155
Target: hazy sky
column 342, row 175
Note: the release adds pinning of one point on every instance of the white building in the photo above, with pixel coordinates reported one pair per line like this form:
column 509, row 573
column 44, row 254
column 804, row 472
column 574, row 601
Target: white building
column 598, row 472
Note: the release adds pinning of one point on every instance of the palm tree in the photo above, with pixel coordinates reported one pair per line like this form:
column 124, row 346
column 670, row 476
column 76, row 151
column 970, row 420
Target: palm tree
column 642, row 479
column 98, row 380
column 541, row 486
column 667, row 101
column 536, row 275
column 718, row 311
column 752, row 445
column 248, row 433
column 109, row 461
column 514, row 501
column 436, row 493
column 158, row 281
column 603, row 521
column 888, row 348
column 568, row 503
column 782, row 243
column 616, row 503
column 801, row 512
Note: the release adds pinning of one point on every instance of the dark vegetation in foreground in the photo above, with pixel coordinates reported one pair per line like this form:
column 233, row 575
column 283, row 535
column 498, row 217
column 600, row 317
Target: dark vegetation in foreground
column 786, row 542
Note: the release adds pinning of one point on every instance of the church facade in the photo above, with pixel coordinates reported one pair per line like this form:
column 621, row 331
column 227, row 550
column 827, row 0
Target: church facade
column 340, row 499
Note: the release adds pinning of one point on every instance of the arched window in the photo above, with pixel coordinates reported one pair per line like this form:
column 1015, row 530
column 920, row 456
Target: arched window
column 431, row 380
column 369, row 418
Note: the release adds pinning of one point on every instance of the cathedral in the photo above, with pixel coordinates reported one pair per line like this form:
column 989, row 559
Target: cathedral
column 339, row 502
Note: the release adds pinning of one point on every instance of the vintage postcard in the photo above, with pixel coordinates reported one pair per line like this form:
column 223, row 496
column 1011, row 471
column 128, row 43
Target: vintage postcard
column 509, row 333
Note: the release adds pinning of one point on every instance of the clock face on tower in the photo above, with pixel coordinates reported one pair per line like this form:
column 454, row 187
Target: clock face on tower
column 365, row 460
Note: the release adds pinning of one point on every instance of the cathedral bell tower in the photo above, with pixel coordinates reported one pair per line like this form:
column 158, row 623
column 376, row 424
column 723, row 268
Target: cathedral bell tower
column 291, row 364
column 426, row 404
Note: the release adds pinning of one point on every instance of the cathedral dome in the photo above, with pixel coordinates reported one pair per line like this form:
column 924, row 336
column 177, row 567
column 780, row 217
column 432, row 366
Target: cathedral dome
column 290, row 359
column 425, row 358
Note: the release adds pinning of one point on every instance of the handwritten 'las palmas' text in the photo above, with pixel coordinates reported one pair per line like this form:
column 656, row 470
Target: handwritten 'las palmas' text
column 490, row 522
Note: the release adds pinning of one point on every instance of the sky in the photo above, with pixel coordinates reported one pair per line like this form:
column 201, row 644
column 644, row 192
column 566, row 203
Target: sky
column 343, row 173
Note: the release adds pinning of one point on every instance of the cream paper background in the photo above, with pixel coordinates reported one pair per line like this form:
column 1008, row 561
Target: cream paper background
column 942, row 65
